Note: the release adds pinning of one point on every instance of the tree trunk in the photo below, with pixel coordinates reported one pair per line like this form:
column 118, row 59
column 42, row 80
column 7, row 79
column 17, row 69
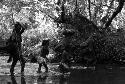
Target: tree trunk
column 89, row 9
column 118, row 10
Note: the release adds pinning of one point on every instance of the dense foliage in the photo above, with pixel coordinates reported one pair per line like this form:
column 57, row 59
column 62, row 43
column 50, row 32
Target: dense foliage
column 49, row 18
column 105, row 46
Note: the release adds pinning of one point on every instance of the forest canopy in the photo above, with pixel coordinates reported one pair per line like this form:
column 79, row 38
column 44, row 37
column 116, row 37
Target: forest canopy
column 38, row 13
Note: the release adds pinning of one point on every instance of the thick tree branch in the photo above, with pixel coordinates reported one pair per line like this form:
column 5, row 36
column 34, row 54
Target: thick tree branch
column 76, row 7
column 63, row 12
column 89, row 9
column 104, row 19
column 118, row 10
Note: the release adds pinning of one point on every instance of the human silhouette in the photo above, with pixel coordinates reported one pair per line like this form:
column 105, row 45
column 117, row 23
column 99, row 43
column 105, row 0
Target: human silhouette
column 16, row 38
column 44, row 53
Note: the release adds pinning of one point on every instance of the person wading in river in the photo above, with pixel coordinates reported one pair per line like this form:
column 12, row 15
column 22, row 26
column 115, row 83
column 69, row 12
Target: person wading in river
column 44, row 52
column 16, row 38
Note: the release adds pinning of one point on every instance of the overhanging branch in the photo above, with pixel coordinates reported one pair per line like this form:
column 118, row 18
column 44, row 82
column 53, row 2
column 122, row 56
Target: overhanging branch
column 118, row 10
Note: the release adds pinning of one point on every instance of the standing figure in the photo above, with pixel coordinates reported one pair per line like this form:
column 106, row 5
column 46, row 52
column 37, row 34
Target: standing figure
column 44, row 53
column 16, row 38
column 14, row 47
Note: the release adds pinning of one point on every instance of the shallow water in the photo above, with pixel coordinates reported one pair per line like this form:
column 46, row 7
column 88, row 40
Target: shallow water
column 78, row 75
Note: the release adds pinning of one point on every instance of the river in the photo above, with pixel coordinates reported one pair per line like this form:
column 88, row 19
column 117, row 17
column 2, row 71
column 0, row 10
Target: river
column 78, row 75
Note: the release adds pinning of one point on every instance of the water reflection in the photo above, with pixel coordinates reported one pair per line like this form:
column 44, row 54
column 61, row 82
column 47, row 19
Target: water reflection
column 114, row 75
column 23, row 80
column 52, row 80
column 14, row 81
column 63, row 79
column 41, row 79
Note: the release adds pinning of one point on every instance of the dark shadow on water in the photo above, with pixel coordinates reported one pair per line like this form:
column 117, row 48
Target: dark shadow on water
column 41, row 80
column 101, row 75
column 14, row 81
column 63, row 79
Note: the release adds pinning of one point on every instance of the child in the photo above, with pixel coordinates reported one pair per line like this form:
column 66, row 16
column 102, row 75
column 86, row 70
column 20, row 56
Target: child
column 44, row 53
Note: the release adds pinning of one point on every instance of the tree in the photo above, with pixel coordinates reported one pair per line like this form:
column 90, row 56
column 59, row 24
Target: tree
column 91, row 18
column 118, row 10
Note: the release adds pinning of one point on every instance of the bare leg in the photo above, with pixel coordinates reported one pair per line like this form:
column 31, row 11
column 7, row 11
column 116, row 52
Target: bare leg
column 39, row 69
column 12, row 66
column 22, row 61
column 9, row 60
column 45, row 65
